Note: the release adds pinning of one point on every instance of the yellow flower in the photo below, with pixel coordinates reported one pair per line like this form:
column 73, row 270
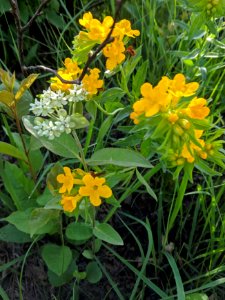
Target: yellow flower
column 154, row 99
column 70, row 72
column 87, row 18
column 95, row 189
column 173, row 117
column 91, row 83
column 123, row 28
column 57, row 84
column 69, row 203
column 114, row 53
column 197, row 109
column 66, row 179
column 97, row 31
column 189, row 151
column 72, row 67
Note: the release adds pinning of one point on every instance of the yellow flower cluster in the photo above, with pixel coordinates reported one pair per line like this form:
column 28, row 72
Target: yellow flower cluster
column 77, row 184
column 71, row 71
column 97, row 31
column 175, row 103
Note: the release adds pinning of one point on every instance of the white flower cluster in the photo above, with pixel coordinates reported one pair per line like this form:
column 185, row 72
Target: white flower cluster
column 52, row 129
column 51, row 104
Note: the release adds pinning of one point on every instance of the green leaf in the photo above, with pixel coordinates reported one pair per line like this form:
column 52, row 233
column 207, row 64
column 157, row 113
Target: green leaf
column 35, row 221
column 66, row 277
column 7, row 98
column 93, row 272
column 105, row 232
column 52, row 183
column 64, row 145
column 11, row 234
column 177, row 277
column 119, row 157
column 57, row 258
column 139, row 78
column 11, row 150
column 112, row 95
column 79, row 120
column 79, row 231
column 3, row 294
column 144, row 182
column 25, row 84
column 103, row 131
column 4, row 6
column 204, row 168
column 197, row 296
column 18, row 186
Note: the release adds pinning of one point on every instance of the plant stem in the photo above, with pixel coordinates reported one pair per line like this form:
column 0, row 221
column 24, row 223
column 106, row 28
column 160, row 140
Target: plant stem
column 23, row 143
column 82, row 157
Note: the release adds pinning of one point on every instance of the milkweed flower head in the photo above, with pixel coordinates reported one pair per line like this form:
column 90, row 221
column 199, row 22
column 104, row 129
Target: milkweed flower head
column 78, row 185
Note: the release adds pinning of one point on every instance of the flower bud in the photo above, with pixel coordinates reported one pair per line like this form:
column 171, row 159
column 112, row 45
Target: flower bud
column 178, row 130
column 176, row 141
column 180, row 161
column 185, row 124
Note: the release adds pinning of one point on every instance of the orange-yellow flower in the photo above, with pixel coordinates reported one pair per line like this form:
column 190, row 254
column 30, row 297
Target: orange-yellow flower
column 69, row 203
column 197, row 109
column 87, row 18
column 114, row 53
column 192, row 149
column 123, row 28
column 95, row 189
column 154, row 99
column 97, row 31
column 91, row 83
column 70, row 72
column 66, row 179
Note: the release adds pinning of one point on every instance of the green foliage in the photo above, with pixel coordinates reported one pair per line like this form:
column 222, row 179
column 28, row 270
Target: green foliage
column 105, row 232
column 57, row 258
column 174, row 226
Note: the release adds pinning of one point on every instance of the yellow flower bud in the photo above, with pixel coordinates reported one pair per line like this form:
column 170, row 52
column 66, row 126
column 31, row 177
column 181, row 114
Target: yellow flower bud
column 211, row 152
column 180, row 161
column 185, row 124
column 208, row 147
column 178, row 130
column 203, row 154
column 173, row 118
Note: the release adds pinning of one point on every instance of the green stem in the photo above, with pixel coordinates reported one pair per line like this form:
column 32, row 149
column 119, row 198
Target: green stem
column 177, row 206
column 80, row 150
column 132, row 189
column 23, row 143
column 104, row 111
column 89, row 135
column 22, row 268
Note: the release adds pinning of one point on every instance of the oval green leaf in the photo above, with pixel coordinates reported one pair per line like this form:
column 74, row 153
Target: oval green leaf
column 119, row 157
column 64, row 145
column 106, row 233
column 57, row 258
column 79, row 231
